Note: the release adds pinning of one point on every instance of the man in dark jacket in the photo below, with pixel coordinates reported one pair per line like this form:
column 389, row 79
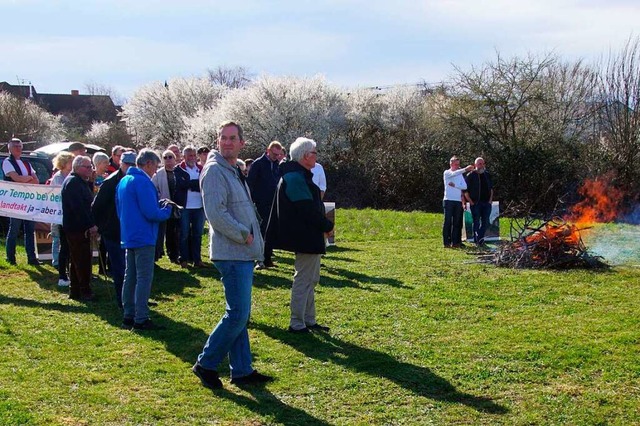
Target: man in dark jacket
column 479, row 195
column 106, row 218
column 298, row 224
column 262, row 179
column 79, row 227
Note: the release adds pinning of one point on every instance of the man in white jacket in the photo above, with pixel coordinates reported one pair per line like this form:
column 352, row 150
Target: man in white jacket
column 454, row 186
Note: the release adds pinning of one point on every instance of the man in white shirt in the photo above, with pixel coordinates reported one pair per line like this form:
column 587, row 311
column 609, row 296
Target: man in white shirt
column 454, row 185
column 319, row 179
column 16, row 170
column 187, row 176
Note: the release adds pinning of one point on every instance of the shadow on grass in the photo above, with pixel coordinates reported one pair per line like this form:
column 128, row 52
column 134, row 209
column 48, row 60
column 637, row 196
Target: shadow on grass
column 337, row 278
column 266, row 404
column 347, row 278
column 180, row 339
column 419, row 380
column 166, row 281
column 340, row 249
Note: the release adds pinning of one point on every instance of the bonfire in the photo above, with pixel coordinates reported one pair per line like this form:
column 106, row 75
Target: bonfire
column 557, row 243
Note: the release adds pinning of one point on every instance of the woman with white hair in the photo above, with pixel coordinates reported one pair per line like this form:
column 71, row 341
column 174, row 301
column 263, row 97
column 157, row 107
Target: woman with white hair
column 100, row 162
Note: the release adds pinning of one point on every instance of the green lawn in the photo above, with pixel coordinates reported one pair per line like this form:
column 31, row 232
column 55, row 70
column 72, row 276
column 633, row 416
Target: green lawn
column 419, row 335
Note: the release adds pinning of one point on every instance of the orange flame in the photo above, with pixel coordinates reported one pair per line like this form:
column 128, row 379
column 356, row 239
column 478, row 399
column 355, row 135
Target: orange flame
column 601, row 202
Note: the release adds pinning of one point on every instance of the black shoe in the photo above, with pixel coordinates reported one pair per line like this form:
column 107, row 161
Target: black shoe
column 34, row 262
column 152, row 303
column 209, row 378
column 318, row 327
column 301, row 331
column 252, row 379
column 127, row 323
column 269, row 264
column 147, row 325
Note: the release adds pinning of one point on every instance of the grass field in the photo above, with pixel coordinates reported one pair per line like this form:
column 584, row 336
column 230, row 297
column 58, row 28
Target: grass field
column 419, row 335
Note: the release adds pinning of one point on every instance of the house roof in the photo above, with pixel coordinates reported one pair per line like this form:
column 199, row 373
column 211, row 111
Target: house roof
column 92, row 107
column 20, row 91
column 97, row 107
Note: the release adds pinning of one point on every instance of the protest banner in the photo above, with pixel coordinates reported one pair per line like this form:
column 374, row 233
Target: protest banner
column 39, row 203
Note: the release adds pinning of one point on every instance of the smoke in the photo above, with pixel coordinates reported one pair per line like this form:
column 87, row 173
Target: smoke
column 633, row 217
column 617, row 243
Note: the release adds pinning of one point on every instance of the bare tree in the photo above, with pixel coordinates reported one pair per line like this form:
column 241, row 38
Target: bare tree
column 619, row 113
column 529, row 116
column 233, row 77
column 25, row 120
column 93, row 88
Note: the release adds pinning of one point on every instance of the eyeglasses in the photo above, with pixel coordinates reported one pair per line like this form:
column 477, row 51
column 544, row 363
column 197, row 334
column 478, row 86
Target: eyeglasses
column 87, row 166
column 168, row 157
column 314, row 152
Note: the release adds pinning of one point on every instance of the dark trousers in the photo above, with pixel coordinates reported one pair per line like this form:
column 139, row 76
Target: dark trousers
column 452, row 227
column 63, row 256
column 117, row 256
column 103, row 259
column 264, row 212
column 169, row 237
column 80, row 272
column 480, row 211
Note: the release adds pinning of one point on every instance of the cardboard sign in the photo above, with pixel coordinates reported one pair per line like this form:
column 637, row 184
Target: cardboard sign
column 493, row 232
column 330, row 213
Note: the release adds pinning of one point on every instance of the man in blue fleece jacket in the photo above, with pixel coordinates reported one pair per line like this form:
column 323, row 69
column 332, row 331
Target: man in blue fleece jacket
column 140, row 214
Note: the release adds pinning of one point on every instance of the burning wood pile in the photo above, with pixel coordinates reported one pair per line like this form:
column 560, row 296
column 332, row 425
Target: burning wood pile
column 553, row 244
column 557, row 243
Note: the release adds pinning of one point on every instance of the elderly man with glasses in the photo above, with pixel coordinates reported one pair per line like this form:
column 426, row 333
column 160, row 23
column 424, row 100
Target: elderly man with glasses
column 298, row 223
column 165, row 182
column 79, row 226
column 114, row 161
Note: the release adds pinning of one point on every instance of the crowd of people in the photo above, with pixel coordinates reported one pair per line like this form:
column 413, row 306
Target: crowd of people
column 134, row 206
column 140, row 204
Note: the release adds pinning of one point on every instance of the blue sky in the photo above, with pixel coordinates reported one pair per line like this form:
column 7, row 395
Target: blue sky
column 63, row 45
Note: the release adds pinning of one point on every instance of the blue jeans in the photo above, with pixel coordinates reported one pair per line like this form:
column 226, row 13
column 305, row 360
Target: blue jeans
column 138, row 276
column 117, row 260
column 55, row 244
column 15, row 225
column 230, row 335
column 452, row 227
column 191, row 228
column 480, row 211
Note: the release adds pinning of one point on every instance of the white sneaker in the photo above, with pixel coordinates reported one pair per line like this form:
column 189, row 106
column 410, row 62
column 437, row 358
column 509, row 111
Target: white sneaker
column 63, row 283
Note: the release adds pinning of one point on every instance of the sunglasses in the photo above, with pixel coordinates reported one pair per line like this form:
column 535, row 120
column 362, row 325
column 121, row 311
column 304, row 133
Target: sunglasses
column 168, row 157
